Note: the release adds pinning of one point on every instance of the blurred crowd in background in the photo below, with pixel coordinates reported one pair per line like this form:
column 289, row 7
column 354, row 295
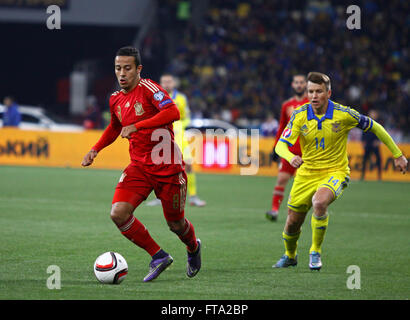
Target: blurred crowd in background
column 235, row 59
column 238, row 64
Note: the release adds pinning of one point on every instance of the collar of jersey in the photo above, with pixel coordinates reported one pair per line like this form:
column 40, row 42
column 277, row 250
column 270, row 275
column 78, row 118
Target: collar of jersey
column 174, row 94
column 329, row 114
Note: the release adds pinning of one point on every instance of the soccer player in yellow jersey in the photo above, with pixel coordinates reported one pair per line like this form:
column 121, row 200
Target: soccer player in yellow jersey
column 322, row 126
column 168, row 82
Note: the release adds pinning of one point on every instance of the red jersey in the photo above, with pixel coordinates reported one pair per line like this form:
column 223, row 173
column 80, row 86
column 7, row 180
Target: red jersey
column 154, row 149
column 286, row 112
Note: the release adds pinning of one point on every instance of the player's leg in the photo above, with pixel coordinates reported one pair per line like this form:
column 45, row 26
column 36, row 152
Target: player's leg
column 299, row 204
column 172, row 192
column 132, row 189
column 366, row 158
column 378, row 162
column 194, row 200
column 286, row 171
column 131, row 227
column 329, row 190
column 193, row 197
column 290, row 236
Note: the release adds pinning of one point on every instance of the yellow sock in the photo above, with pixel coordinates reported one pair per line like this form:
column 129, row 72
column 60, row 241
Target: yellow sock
column 291, row 243
column 191, row 184
column 319, row 227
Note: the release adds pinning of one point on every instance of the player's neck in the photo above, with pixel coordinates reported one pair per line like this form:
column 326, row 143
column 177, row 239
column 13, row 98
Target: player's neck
column 300, row 97
column 321, row 110
column 133, row 86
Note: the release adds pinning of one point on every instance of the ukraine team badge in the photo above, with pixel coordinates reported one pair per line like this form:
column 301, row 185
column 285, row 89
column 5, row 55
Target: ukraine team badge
column 336, row 127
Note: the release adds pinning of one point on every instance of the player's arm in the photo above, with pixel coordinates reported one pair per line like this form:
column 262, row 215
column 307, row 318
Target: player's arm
column 165, row 116
column 109, row 135
column 282, row 124
column 282, row 149
column 368, row 124
column 168, row 110
column 400, row 160
column 288, row 138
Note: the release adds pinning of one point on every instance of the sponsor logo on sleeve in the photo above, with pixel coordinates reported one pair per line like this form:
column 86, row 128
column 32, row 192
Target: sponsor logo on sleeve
column 164, row 103
column 287, row 133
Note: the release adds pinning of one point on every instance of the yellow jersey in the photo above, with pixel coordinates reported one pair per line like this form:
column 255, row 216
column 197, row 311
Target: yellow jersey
column 181, row 101
column 179, row 126
column 323, row 139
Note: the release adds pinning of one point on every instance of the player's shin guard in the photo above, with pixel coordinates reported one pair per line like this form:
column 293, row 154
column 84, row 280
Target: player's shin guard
column 136, row 232
column 188, row 236
column 277, row 198
column 191, row 184
column 291, row 243
column 319, row 227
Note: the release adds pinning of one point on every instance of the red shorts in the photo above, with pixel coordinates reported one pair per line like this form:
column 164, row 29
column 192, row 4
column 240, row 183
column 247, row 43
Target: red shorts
column 285, row 166
column 135, row 185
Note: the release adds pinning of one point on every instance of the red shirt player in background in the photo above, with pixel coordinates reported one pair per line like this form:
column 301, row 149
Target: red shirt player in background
column 143, row 113
column 286, row 171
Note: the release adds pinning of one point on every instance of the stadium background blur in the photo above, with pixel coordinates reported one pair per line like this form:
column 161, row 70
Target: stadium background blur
column 235, row 60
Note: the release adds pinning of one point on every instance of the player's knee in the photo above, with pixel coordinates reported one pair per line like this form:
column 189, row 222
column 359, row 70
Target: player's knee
column 119, row 214
column 319, row 206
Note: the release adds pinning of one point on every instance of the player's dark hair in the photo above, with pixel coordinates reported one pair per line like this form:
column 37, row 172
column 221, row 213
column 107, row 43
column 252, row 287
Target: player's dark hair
column 130, row 52
column 319, row 78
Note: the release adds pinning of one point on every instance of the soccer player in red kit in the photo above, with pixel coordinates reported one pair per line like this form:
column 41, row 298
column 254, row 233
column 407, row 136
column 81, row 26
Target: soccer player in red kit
column 286, row 171
column 143, row 113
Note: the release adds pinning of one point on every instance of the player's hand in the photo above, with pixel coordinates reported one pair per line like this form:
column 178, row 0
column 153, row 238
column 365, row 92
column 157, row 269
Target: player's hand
column 126, row 131
column 89, row 158
column 296, row 162
column 401, row 163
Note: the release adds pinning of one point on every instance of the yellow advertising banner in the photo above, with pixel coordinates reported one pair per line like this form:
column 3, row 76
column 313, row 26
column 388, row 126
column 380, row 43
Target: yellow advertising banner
column 215, row 154
column 58, row 149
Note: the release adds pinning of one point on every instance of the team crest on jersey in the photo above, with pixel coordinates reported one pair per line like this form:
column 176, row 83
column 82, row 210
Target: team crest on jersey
column 159, row 95
column 336, row 126
column 138, row 109
column 287, row 133
column 304, row 130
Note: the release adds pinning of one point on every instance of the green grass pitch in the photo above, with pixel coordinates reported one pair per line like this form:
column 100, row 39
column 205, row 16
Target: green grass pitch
column 56, row 216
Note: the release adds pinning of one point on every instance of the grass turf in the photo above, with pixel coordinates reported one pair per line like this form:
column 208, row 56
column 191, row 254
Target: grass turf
column 56, row 216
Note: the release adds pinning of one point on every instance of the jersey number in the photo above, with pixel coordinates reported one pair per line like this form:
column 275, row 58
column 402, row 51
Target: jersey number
column 320, row 143
column 333, row 181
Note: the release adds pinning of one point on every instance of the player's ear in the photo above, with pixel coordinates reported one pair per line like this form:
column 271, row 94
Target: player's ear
column 329, row 93
column 139, row 68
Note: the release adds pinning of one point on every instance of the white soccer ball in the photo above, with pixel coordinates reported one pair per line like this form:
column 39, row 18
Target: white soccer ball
column 111, row 268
